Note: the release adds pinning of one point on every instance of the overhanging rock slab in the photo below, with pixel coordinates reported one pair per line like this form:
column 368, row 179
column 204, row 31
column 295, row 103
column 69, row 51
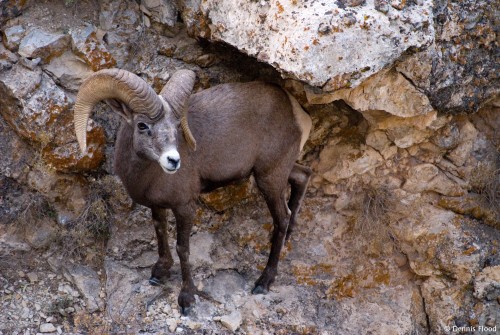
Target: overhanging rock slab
column 328, row 44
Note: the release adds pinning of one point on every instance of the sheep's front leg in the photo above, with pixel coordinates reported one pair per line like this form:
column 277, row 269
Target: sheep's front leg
column 184, row 219
column 160, row 270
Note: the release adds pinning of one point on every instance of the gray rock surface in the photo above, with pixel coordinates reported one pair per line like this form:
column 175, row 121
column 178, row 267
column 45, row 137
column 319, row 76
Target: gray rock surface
column 315, row 42
column 88, row 283
column 231, row 321
column 68, row 70
column 41, row 44
column 12, row 37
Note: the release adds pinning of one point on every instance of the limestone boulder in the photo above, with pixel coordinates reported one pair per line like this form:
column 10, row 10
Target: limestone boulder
column 88, row 283
column 127, row 293
column 387, row 91
column 468, row 137
column 39, row 43
column 487, row 283
column 427, row 177
column 119, row 22
column 342, row 161
column 12, row 37
column 41, row 112
column 162, row 11
column 68, row 71
column 86, row 45
column 428, row 42
column 432, row 244
column 7, row 58
column 316, row 41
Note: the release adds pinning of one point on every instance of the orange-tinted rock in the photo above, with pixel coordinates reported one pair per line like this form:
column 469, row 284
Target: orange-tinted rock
column 86, row 45
column 41, row 112
column 227, row 197
column 67, row 157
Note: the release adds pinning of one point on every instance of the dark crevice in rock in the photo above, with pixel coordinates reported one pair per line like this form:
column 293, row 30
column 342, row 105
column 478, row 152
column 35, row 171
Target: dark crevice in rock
column 427, row 318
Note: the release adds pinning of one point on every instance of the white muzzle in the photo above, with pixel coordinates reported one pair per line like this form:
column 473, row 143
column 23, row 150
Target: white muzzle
column 170, row 161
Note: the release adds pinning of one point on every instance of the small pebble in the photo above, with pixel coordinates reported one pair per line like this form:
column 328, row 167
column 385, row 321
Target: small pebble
column 167, row 309
column 281, row 310
column 172, row 324
column 490, row 322
column 47, row 328
column 25, row 313
column 231, row 321
column 33, row 277
column 193, row 325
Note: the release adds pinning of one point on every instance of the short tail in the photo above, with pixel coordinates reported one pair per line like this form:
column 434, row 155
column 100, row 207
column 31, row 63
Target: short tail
column 302, row 118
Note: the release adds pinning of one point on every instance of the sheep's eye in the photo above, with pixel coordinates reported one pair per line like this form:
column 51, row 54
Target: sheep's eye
column 142, row 126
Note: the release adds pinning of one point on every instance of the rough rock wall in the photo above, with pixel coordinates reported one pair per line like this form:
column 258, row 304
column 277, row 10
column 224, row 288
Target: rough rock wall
column 400, row 228
column 339, row 44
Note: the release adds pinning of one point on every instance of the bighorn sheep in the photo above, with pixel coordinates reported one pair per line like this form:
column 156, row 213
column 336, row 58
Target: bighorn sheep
column 235, row 130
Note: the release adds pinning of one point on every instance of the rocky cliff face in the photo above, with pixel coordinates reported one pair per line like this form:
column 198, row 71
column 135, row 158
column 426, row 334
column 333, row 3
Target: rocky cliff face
column 399, row 231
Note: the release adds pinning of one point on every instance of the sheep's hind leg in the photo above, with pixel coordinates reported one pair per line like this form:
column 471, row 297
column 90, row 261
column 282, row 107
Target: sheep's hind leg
column 160, row 270
column 184, row 219
column 298, row 179
column 276, row 201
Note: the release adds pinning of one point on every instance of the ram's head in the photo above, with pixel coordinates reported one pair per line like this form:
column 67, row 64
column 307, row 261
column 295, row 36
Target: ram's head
column 154, row 119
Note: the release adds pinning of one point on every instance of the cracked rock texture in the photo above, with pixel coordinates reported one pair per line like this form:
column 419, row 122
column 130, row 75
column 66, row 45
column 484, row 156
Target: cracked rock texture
column 400, row 228
column 317, row 41
column 339, row 44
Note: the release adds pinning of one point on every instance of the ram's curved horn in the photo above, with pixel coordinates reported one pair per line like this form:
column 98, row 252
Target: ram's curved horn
column 176, row 94
column 113, row 84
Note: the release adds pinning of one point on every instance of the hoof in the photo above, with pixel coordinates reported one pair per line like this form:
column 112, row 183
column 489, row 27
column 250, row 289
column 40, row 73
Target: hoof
column 259, row 289
column 154, row 281
column 160, row 271
column 186, row 301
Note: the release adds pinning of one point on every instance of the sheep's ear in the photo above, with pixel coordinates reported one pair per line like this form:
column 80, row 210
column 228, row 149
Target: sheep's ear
column 178, row 89
column 121, row 109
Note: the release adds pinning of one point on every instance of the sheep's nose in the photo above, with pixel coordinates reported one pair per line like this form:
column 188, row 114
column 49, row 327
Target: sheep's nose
column 173, row 161
column 170, row 161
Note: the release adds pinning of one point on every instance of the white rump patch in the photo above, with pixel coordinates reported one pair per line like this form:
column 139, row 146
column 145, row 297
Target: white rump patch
column 303, row 120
